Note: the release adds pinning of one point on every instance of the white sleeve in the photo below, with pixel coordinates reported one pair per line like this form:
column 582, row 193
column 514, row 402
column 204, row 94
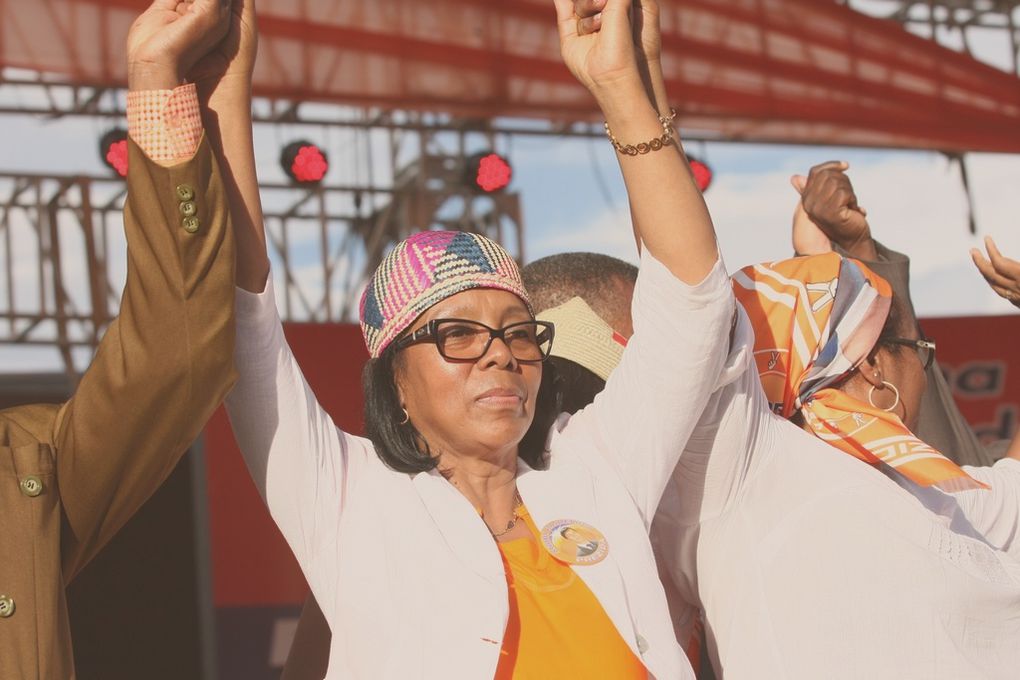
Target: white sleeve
column 729, row 442
column 728, row 445
column 297, row 457
column 642, row 419
column 995, row 512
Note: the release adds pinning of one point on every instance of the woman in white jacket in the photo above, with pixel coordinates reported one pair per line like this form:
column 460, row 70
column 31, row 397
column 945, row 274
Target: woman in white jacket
column 447, row 544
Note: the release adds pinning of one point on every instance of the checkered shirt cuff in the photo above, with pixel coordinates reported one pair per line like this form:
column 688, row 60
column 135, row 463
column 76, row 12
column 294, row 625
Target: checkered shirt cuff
column 165, row 124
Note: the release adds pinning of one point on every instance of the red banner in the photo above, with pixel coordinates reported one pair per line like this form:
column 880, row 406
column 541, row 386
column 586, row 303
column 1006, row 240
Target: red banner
column 257, row 585
column 976, row 354
column 800, row 71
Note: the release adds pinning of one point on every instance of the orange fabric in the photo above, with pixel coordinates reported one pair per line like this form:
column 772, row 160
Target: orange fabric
column 815, row 320
column 165, row 124
column 557, row 628
column 693, row 649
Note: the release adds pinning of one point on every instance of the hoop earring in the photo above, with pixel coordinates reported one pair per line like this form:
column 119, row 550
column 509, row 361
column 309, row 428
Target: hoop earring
column 407, row 417
column 871, row 396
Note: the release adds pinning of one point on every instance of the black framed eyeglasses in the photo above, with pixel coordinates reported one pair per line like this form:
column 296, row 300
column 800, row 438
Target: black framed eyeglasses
column 925, row 349
column 466, row 340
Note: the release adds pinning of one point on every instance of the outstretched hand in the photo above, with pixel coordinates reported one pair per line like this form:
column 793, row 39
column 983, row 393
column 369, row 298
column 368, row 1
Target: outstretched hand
column 168, row 38
column 599, row 46
column 1001, row 273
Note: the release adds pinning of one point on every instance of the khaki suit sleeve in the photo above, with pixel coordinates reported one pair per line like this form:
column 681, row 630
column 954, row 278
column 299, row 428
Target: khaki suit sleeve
column 164, row 364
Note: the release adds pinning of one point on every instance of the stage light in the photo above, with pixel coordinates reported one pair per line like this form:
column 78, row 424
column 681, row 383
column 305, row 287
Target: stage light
column 488, row 172
column 114, row 152
column 702, row 173
column 304, row 162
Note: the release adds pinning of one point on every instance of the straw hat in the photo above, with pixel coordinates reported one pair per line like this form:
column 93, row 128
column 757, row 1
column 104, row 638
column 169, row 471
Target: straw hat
column 584, row 338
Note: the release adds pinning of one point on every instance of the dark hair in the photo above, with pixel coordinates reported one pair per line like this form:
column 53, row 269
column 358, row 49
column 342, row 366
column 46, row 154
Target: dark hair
column 593, row 277
column 576, row 386
column 897, row 325
column 402, row 448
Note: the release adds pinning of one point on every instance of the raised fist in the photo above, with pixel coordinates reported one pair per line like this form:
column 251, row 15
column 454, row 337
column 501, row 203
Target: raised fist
column 829, row 201
column 170, row 37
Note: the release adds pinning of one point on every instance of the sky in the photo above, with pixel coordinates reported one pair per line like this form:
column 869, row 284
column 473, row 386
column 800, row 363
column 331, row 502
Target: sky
column 573, row 199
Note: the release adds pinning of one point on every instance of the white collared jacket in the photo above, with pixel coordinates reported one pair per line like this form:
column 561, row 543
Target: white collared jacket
column 405, row 571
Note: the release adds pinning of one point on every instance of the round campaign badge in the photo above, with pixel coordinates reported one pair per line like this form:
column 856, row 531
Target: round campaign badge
column 574, row 542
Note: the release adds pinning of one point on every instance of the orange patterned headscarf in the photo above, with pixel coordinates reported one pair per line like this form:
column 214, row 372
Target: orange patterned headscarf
column 815, row 320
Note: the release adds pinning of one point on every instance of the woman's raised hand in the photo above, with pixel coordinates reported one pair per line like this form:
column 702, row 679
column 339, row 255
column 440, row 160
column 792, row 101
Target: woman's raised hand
column 607, row 52
column 644, row 18
column 647, row 37
column 597, row 41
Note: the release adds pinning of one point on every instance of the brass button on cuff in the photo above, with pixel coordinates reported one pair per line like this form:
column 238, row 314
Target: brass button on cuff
column 185, row 192
column 190, row 224
column 6, row 607
column 188, row 208
column 31, row 486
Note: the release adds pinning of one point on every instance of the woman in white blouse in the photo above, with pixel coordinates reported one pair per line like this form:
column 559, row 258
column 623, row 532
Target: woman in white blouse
column 409, row 539
column 838, row 545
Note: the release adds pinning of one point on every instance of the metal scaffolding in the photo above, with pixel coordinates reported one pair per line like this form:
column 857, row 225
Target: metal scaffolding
column 62, row 248
column 953, row 23
column 61, row 241
column 50, row 227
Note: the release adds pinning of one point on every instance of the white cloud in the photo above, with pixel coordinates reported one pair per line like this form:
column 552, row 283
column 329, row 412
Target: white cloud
column 916, row 204
column 610, row 234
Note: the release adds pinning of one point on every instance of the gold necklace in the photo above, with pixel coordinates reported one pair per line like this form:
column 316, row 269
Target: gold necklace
column 513, row 520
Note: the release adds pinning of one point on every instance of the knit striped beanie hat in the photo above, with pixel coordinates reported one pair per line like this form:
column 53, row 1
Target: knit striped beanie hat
column 426, row 268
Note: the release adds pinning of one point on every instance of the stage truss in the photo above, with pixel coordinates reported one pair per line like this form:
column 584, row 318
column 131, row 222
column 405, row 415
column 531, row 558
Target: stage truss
column 61, row 241
column 954, row 23
column 62, row 247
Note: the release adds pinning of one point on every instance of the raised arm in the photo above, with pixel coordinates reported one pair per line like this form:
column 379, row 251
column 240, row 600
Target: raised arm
column 645, row 18
column 290, row 444
column 683, row 305
column 674, row 224
column 224, row 82
column 166, row 362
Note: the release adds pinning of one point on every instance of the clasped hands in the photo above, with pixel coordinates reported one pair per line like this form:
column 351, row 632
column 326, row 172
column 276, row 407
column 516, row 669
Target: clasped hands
column 828, row 212
column 208, row 42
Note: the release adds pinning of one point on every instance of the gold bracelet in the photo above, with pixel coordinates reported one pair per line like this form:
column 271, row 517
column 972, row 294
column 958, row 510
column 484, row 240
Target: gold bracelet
column 667, row 121
column 666, row 139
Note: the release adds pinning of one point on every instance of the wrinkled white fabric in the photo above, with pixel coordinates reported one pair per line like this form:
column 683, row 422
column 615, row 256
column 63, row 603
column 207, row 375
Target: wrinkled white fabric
column 811, row 564
column 406, row 573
